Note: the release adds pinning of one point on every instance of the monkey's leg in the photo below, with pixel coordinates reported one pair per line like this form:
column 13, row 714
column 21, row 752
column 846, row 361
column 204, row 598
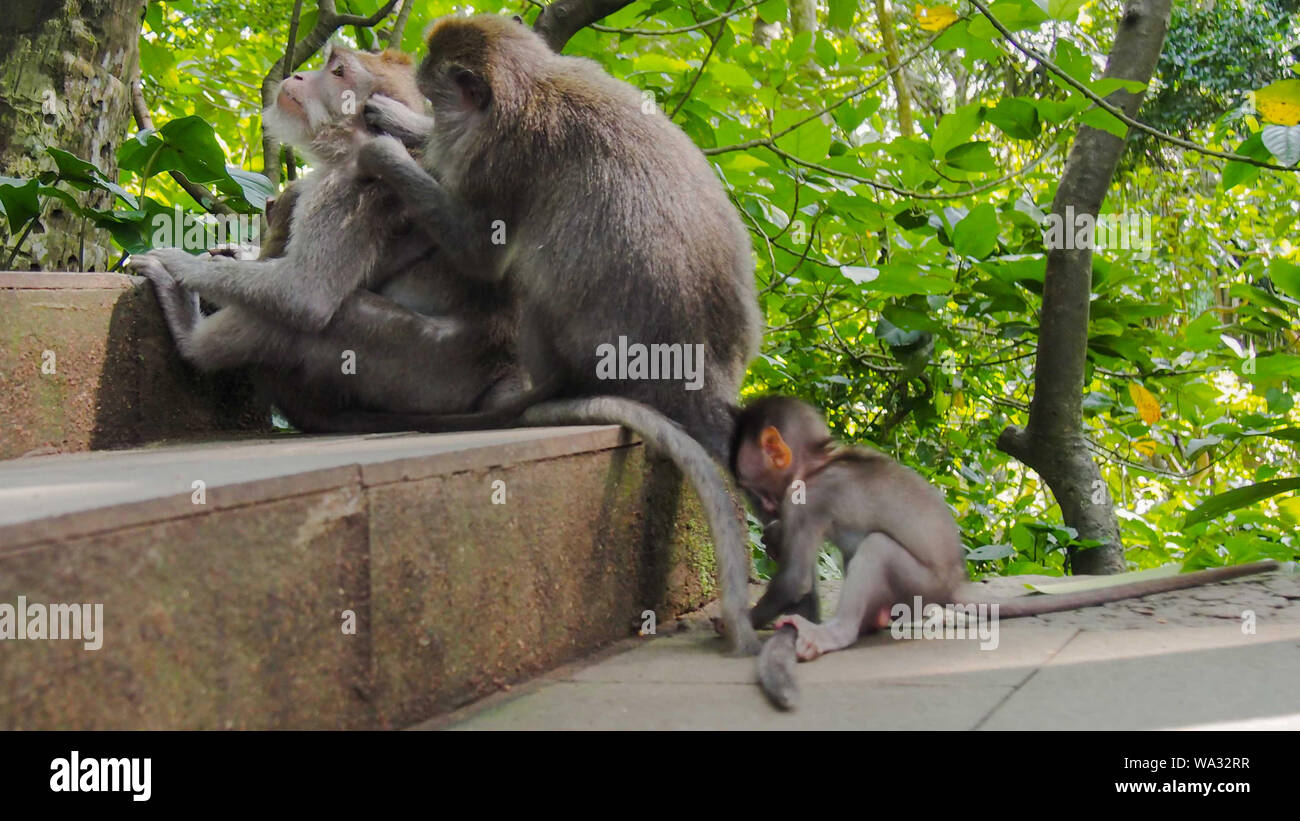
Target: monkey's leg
column 881, row 573
column 387, row 116
column 463, row 234
column 232, row 338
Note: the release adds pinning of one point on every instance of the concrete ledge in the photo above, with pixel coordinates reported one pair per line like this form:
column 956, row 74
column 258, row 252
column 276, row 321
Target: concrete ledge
column 86, row 362
column 232, row 613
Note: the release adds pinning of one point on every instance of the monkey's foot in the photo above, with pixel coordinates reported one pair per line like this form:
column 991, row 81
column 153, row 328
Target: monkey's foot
column 812, row 640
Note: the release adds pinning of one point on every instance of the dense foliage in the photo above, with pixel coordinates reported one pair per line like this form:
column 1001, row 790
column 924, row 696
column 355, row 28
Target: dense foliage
column 901, row 259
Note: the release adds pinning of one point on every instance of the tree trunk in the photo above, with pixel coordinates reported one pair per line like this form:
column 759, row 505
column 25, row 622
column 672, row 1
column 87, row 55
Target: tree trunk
column 1053, row 442
column 64, row 66
column 892, row 58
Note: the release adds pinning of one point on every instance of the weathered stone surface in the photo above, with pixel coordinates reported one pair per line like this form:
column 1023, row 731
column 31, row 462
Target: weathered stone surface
column 230, row 614
column 116, row 379
column 1153, row 663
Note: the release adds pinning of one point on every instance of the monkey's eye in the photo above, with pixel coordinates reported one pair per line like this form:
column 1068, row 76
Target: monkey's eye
column 338, row 70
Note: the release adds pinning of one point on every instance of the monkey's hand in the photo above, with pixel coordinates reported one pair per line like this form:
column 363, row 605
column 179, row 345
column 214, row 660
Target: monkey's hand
column 180, row 307
column 178, row 263
column 384, row 115
column 149, row 266
column 812, row 640
column 383, row 157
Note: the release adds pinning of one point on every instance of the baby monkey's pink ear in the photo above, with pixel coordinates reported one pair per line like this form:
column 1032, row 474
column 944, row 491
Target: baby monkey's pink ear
column 774, row 448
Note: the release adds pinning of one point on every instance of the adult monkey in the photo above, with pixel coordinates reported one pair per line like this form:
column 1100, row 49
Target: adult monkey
column 295, row 311
column 543, row 174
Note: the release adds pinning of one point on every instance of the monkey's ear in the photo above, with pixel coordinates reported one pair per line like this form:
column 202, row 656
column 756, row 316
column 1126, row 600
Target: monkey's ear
column 473, row 88
column 774, row 448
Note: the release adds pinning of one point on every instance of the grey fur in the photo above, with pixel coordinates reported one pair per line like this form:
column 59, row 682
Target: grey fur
column 615, row 225
column 293, row 313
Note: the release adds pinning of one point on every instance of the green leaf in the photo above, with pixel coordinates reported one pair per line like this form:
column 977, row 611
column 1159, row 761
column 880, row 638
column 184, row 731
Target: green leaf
column 840, row 14
column 1284, row 142
column 1235, row 173
column 810, row 141
column 956, row 128
column 19, row 200
column 773, row 11
column 186, row 144
column 1218, row 505
column 827, row 57
column 1016, row 118
column 1064, row 9
column 81, row 174
column 251, row 187
column 977, row 234
column 1286, row 277
column 989, row 552
column 1105, row 121
column 971, row 157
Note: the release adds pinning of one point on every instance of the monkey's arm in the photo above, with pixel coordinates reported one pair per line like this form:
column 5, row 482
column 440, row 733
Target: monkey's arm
column 463, row 234
column 272, row 288
column 387, row 116
column 795, row 585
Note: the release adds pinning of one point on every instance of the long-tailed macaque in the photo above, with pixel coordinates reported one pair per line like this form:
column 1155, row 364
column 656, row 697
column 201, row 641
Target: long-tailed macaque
column 897, row 535
column 296, row 313
column 544, row 175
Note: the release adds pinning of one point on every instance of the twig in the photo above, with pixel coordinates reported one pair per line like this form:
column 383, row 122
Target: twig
column 398, row 31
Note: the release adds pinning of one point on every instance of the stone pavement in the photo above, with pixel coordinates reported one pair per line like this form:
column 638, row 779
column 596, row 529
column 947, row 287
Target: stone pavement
column 1177, row 660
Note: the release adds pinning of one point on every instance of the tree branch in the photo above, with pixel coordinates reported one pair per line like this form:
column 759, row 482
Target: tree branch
column 398, row 30
column 560, row 20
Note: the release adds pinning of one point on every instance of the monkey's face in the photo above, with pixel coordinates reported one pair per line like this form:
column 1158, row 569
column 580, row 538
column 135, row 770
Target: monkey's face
column 308, row 101
column 762, row 476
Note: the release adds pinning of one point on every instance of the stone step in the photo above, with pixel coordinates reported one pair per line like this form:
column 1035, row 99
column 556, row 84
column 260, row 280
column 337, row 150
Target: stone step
column 335, row 581
column 86, row 363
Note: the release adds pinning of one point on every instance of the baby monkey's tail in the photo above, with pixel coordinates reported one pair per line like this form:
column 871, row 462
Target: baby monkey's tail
column 776, row 665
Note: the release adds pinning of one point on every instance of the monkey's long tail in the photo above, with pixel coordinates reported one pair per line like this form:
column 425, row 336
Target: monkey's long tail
column 1036, row 605
column 726, row 522
column 776, row 665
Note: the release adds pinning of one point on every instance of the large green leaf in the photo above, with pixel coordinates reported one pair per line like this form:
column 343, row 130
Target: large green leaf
column 1216, row 506
column 977, row 234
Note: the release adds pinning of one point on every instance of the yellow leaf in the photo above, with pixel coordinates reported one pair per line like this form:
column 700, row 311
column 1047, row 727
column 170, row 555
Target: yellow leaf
column 936, row 18
column 1291, row 504
column 959, row 400
column 1279, row 102
column 1148, row 407
column 1145, row 446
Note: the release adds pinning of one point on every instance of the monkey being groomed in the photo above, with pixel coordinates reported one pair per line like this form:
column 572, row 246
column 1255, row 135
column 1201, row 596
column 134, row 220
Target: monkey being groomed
column 296, row 314
column 897, row 535
column 542, row 174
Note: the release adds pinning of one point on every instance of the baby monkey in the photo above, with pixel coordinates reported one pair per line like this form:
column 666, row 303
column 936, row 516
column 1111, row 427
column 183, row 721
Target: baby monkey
column 898, row 538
